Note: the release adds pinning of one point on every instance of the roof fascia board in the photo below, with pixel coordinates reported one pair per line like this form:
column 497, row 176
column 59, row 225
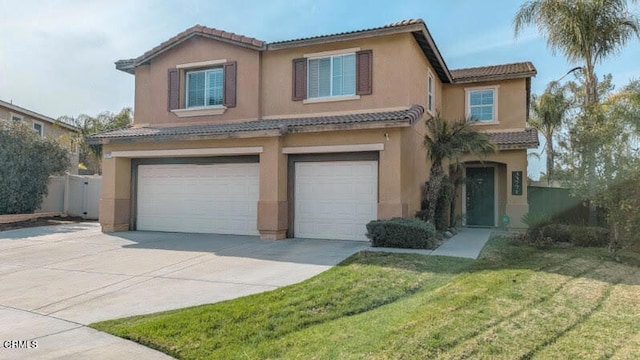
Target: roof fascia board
column 495, row 78
column 129, row 67
column 345, row 37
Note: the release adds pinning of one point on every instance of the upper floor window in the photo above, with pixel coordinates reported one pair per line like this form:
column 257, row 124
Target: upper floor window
column 39, row 128
column 332, row 76
column 430, row 90
column 15, row 117
column 204, row 90
column 482, row 104
column 204, row 87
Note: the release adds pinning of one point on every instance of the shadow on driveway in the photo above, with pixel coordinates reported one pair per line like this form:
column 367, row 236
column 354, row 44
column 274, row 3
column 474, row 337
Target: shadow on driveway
column 306, row 251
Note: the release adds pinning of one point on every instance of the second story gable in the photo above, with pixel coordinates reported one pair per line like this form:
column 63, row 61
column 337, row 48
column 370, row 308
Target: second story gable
column 204, row 75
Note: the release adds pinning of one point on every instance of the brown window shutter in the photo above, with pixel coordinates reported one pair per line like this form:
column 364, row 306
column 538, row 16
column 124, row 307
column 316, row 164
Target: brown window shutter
column 174, row 90
column 230, row 84
column 364, row 72
column 299, row 91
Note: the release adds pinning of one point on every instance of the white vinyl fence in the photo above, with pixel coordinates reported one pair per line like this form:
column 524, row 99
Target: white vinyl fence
column 74, row 195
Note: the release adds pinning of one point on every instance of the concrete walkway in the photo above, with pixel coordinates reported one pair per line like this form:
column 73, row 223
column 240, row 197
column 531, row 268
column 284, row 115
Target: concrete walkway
column 466, row 244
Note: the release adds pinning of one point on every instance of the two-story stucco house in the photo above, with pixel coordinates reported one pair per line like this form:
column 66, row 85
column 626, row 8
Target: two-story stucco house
column 307, row 138
column 46, row 127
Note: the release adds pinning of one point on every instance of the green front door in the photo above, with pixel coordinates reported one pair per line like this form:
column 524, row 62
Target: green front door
column 480, row 196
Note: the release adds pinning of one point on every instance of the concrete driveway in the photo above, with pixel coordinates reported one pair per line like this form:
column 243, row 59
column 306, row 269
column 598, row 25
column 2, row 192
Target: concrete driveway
column 55, row 280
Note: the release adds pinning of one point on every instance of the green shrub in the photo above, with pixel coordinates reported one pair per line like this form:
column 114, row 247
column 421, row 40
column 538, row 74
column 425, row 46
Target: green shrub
column 441, row 219
column 402, row 233
column 590, row 236
column 557, row 232
column 26, row 162
column 578, row 235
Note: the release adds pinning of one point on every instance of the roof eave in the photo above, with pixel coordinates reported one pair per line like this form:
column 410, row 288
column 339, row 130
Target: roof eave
column 523, row 146
column 444, row 74
column 495, row 77
column 251, row 134
column 129, row 65
column 345, row 37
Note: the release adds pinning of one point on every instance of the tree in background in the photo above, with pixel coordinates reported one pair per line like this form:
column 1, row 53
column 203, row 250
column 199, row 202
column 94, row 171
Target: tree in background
column 91, row 155
column 586, row 32
column 549, row 111
column 26, row 162
column 613, row 140
column 449, row 141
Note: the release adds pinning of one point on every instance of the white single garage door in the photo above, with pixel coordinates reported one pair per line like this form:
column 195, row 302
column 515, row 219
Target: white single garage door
column 335, row 200
column 211, row 198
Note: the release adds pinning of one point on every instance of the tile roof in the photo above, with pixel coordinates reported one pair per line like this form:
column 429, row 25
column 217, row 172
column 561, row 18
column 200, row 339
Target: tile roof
column 277, row 126
column 416, row 26
column 128, row 64
column 398, row 24
column 494, row 72
column 528, row 138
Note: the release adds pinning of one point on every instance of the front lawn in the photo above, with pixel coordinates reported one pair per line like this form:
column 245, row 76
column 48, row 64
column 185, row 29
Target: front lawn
column 514, row 302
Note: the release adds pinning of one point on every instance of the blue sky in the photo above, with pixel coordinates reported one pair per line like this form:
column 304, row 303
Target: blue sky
column 56, row 56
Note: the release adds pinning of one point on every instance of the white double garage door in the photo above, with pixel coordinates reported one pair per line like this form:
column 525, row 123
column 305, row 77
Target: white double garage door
column 333, row 199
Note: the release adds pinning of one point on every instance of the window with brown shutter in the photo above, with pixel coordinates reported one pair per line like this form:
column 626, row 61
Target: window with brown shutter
column 174, row 90
column 299, row 91
column 230, row 76
column 364, row 72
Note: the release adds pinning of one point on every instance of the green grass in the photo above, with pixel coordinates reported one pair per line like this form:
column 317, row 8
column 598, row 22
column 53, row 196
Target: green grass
column 514, row 302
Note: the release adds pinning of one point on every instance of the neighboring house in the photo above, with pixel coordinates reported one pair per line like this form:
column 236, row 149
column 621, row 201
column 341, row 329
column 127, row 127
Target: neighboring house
column 46, row 127
column 308, row 138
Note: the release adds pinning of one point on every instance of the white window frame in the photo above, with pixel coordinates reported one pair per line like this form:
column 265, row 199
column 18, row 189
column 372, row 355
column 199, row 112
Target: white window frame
column 331, row 96
column 431, row 99
column 14, row 115
column 468, row 92
column 33, row 126
column 186, row 88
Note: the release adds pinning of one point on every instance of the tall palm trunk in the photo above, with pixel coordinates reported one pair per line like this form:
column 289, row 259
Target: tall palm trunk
column 432, row 190
column 550, row 158
column 591, row 100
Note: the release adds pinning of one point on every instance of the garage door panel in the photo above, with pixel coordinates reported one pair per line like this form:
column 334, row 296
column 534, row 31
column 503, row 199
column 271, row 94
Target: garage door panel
column 212, row 198
column 335, row 200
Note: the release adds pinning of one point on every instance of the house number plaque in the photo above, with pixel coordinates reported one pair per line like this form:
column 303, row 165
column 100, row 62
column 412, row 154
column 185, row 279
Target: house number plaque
column 516, row 183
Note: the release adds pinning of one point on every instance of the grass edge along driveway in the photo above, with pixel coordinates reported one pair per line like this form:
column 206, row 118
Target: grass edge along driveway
column 514, row 302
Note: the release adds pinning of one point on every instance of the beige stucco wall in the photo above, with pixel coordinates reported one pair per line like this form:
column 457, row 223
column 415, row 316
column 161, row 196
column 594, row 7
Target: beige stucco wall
column 512, row 103
column 396, row 192
column 506, row 161
column 264, row 90
column 399, row 77
column 151, row 93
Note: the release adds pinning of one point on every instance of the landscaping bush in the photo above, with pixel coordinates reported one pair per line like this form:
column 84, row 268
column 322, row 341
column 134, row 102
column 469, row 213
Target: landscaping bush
column 26, row 162
column 446, row 196
column 402, row 233
column 557, row 232
column 578, row 235
column 590, row 236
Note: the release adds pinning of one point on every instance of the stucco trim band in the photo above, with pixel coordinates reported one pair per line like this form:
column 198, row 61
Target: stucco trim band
column 201, row 64
column 332, row 149
column 186, row 152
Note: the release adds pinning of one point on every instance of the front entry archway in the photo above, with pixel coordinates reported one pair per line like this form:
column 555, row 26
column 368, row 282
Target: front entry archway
column 480, row 196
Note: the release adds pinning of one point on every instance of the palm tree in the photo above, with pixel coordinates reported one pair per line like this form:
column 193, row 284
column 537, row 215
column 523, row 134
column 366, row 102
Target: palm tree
column 449, row 141
column 549, row 111
column 586, row 32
